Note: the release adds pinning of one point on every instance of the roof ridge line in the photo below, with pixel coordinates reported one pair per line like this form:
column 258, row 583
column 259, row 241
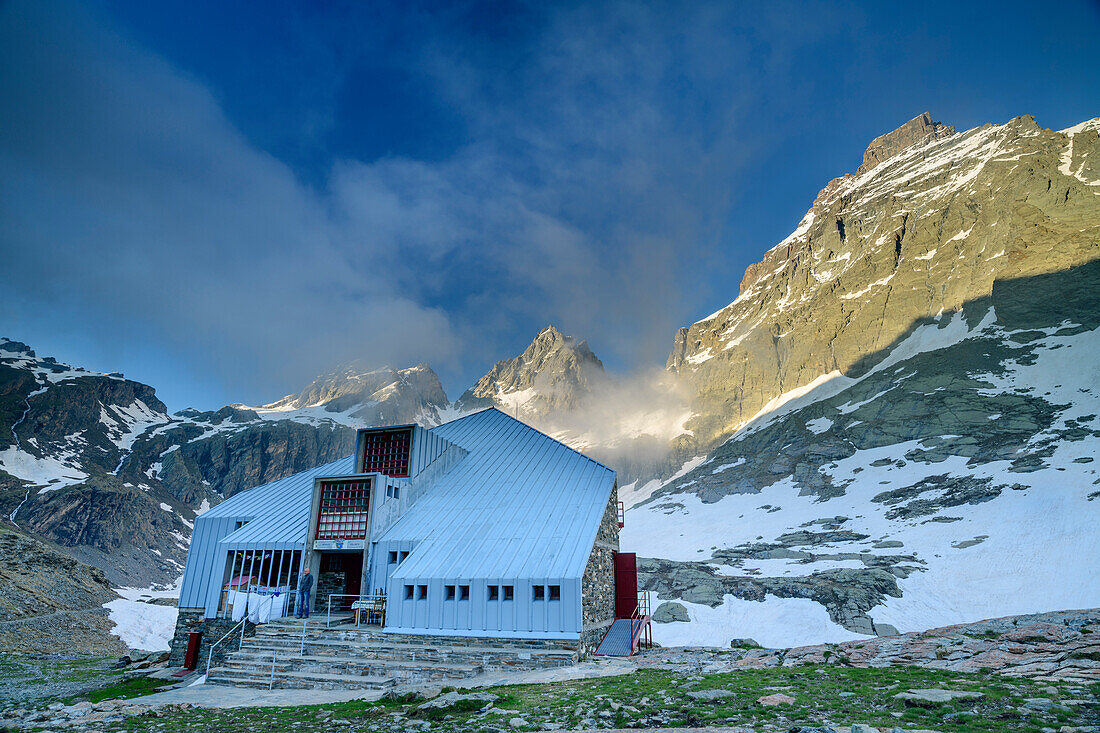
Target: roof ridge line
column 551, row 438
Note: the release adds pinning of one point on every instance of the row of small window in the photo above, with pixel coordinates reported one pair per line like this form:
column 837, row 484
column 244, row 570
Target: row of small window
column 393, row 492
column 496, row 592
column 396, row 558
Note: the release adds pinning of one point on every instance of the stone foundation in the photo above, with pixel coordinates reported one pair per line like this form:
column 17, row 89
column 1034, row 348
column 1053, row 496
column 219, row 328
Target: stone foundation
column 591, row 638
column 212, row 629
column 598, row 582
column 327, row 584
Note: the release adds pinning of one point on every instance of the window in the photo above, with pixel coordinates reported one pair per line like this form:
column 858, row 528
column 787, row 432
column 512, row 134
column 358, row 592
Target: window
column 508, row 592
column 555, row 592
column 408, row 592
column 421, row 592
column 403, row 556
column 494, row 592
column 344, row 510
column 539, row 592
column 450, row 592
column 394, row 492
column 463, row 592
column 387, row 452
column 393, row 556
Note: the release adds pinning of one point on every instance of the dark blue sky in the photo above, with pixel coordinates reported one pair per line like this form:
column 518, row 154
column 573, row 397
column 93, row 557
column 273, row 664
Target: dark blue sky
column 224, row 199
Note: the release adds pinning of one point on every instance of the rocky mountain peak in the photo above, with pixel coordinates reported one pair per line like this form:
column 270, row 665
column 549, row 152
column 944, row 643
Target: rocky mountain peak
column 554, row 372
column 353, row 385
column 920, row 129
column 934, row 219
column 15, row 347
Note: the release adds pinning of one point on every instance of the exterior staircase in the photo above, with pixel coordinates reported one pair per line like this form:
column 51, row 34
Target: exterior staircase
column 347, row 657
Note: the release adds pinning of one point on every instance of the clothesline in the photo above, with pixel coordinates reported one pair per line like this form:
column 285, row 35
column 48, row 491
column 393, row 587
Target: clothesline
column 259, row 603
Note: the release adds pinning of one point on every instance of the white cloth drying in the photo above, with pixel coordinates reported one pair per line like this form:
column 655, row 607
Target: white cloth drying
column 239, row 601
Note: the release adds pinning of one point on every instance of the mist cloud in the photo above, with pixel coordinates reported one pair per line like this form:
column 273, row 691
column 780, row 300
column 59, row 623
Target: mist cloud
column 594, row 180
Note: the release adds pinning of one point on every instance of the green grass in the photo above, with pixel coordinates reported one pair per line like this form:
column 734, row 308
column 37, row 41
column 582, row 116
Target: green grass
column 127, row 690
column 659, row 698
column 35, row 682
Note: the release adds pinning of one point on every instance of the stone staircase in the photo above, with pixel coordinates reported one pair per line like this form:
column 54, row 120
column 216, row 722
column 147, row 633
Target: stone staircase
column 346, row 657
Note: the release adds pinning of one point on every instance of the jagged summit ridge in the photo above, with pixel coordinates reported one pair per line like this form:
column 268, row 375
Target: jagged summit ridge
column 555, row 372
column 917, row 131
column 367, row 394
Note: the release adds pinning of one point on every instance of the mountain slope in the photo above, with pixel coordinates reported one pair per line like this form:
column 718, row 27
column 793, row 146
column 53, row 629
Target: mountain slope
column 93, row 462
column 900, row 406
column 916, row 235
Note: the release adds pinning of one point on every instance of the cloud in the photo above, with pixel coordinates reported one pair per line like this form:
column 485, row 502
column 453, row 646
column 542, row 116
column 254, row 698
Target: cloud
column 132, row 204
column 590, row 191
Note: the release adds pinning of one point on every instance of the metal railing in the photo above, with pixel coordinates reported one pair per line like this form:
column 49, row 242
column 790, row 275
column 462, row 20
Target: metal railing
column 210, row 654
column 361, row 604
column 640, row 620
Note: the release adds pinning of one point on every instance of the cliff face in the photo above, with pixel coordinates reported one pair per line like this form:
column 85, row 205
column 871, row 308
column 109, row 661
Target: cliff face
column 919, row 232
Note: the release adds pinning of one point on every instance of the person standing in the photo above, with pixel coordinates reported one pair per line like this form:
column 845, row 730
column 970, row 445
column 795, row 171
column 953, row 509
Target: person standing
column 305, row 587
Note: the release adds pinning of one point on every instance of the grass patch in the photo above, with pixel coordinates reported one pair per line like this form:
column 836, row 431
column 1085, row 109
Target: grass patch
column 128, row 689
column 824, row 694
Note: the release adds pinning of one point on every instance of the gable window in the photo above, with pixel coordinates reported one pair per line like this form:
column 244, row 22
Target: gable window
column 463, row 592
column 555, row 593
column 408, row 592
column 494, row 592
column 450, row 592
column 539, row 593
column 509, row 592
column 387, row 452
column 404, row 555
column 393, row 557
column 421, row 592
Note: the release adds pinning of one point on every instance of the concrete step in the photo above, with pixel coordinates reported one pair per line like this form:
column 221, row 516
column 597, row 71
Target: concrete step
column 386, row 649
column 299, row 680
column 343, row 656
column 352, row 633
column 403, row 670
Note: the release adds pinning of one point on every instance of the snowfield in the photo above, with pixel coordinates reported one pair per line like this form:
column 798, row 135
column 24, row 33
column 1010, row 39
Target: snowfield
column 143, row 625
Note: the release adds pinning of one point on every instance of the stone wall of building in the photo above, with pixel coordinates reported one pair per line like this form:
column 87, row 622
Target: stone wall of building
column 212, row 629
column 598, row 583
column 329, row 582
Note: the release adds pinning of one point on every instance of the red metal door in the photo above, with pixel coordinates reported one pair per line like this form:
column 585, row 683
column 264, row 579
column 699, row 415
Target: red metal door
column 626, row 584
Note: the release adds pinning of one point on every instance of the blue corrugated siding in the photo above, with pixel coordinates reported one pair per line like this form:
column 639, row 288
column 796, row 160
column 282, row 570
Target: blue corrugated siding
column 277, row 515
column 508, row 506
column 520, row 509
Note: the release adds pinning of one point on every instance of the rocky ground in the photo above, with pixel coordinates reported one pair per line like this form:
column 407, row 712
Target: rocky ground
column 51, row 603
column 1037, row 673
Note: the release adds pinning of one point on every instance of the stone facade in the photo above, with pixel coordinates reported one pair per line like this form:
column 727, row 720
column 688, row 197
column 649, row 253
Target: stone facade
column 212, row 629
column 598, row 583
column 328, row 582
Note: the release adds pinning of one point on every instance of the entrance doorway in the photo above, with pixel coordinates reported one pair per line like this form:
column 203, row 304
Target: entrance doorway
column 341, row 576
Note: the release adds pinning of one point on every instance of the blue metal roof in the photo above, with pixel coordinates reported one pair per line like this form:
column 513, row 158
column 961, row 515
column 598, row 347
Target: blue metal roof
column 278, row 512
column 519, row 505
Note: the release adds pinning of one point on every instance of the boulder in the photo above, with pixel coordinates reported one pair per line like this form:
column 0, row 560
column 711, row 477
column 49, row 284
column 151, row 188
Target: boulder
column 777, row 699
column 930, row 697
column 670, row 611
